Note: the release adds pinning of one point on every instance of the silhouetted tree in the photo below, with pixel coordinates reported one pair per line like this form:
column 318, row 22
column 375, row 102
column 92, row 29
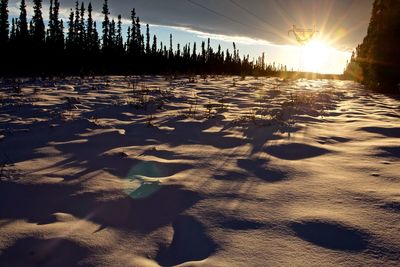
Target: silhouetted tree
column 132, row 37
column 376, row 62
column 55, row 34
column 171, row 50
column 38, row 24
column 139, row 38
column 22, row 25
column 13, row 33
column 95, row 40
column 154, row 46
column 92, row 39
column 4, row 34
column 81, row 27
column 4, row 24
column 194, row 54
column 112, row 36
column 71, row 32
column 119, row 38
column 106, row 27
column 81, row 51
column 147, row 40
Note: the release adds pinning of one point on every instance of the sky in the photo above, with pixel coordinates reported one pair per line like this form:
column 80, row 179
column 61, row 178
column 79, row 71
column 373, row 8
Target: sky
column 256, row 26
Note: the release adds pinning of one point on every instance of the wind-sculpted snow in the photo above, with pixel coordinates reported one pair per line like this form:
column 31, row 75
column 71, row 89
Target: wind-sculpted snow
column 204, row 171
column 33, row 251
column 331, row 235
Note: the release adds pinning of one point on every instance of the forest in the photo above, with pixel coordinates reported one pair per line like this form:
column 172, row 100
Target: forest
column 376, row 61
column 28, row 47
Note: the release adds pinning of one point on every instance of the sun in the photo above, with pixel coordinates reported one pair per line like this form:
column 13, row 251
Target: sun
column 316, row 56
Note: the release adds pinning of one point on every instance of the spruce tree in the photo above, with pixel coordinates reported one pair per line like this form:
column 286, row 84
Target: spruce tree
column 171, row 51
column 377, row 62
column 23, row 32
column 31, row 29
column 112, row 37
column 77, row 24
column 60, row 35
column 132, row 36
column 37, row 21
column 154, row 46
column 106, row 26
column 82, row 32
column 141, row 45
column 208, row 49
column 147, row 40
column 119, row 39
column 58, row 26
column 128, row 39
column 194, row 55
column 13, row 33
column 203, row 52
column 4, row 24
column 178, row 50
column 70, row 43
column 51, row 32
column 83, row 51
column 95, row 41
column 139, row 37
column 89, row 29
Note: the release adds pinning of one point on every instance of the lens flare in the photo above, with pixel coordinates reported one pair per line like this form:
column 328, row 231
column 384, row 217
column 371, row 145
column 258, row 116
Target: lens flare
column 141, row 182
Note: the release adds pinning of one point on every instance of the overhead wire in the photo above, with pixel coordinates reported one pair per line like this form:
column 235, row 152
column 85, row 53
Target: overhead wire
column 272, row 29
column 250, row 12
column 215, row 12
column 224, row 16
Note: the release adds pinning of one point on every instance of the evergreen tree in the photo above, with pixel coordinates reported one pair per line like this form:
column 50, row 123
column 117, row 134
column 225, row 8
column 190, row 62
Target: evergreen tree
column 77, row 24
column 208, row 49
column 82, row 51
column 37, row 21
column 194, row 54
column 95, row 41
column 376, row 62
column 31, row 29
column 55, row 35
column 112, row 37
column 128, row 39
column 82, row 32
column 141, row 44
column 147, row 40
column 106, row 26
column 132, row 36
column 203, row 52
column 89, row 29
column 22, row 22
column 60, row 34
column 178, row 50
column 154, row 46
column 120, row 41
column 50, row 30
column 4, row 24
column 71, row 32
column 13, row 33
column 138, row 37
column 171, row 51
column 58, row 26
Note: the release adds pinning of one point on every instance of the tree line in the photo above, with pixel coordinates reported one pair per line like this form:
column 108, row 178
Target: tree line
column 376, row 61
column 76, row 47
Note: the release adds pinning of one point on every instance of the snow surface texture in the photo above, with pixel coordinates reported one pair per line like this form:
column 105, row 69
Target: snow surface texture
column 208, row 171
